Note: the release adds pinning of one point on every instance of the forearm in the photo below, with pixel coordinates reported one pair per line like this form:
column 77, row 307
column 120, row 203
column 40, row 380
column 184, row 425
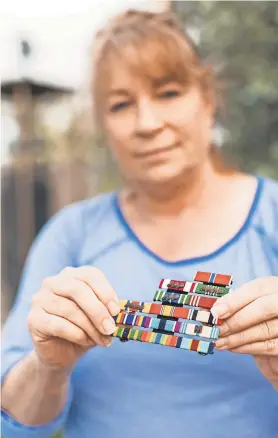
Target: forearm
column 32, row 394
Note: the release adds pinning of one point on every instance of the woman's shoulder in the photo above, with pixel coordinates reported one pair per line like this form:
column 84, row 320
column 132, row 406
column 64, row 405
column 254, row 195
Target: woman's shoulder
column 81, row 212
column 73, row 219
column 77, row 224
column 269, row 194
column 271, row 187
column 266, row 212
column 96, row 204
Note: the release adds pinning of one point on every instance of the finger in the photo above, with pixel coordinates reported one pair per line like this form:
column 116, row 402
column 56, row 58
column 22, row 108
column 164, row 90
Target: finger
column 266, row 348
column 42, row 323
column 263, row 309
column 69, row 310
column 84, row 297
column 246, row 294
column 97, row 281
column 262, row 332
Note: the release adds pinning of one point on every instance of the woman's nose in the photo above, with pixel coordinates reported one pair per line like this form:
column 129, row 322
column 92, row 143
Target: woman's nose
column 148, row 118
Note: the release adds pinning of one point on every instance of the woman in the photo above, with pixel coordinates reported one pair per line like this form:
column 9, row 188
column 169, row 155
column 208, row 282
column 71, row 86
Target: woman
column 181, row 210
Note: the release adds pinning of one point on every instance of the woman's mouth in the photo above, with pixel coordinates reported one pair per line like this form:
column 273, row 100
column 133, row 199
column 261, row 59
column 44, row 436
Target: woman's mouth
column 155, row 152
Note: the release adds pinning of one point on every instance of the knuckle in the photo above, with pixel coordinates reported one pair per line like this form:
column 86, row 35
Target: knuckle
column 51, row 324
column 96, row 337
column 236, row 322
column 241, row 336
column 273, row 282
column 38, row 298
column 30, row 320
column 270, row 346
column 53, row 304
column 69, row 270
column 99, row 313
column 49, row 300
column 91, row 271
column 95, row 271
column 71, row 310
column 235, row 340
column 35, row 299
column 229, row 341
column 275, row 327
column 52, row 298
column 269, row 307
column 47, row 282
column 266, row 329
column 33, row 320
column 80, row 337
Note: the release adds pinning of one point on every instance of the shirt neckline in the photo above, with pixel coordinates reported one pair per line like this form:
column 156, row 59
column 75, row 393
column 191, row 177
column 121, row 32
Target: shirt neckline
column 189, row 261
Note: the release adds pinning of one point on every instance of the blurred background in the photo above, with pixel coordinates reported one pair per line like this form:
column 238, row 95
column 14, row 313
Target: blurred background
column 50, row 153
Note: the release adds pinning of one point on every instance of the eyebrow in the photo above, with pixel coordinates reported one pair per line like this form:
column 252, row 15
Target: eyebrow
column 159, row 82
column 118, row 91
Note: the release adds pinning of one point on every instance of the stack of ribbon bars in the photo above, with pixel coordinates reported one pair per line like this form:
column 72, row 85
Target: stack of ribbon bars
column 179, row 315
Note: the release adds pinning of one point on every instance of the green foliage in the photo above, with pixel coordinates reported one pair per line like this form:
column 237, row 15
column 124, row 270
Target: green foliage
column 241, row 40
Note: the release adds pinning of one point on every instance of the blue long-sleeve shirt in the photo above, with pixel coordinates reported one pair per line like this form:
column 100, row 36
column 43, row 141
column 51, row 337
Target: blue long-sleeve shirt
column 137, row 389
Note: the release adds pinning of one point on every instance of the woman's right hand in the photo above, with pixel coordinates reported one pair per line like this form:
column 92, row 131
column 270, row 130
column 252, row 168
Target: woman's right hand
column 71, row 313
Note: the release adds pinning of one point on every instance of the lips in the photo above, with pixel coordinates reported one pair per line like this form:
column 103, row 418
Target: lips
column 155, row 152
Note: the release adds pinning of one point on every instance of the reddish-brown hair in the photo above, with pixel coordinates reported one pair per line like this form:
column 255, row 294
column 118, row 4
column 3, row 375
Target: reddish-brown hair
column 154, row 46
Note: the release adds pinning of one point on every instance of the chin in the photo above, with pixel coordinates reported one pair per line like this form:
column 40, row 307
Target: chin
column 164, row 174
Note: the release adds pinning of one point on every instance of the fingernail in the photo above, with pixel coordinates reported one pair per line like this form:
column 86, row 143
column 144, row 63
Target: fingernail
column 109, row 326
column 219, row 310
column 224, row 330
column 220, row 343
column 113, row 308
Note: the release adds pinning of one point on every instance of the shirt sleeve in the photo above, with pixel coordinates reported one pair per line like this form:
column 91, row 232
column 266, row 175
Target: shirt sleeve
column 54, row 249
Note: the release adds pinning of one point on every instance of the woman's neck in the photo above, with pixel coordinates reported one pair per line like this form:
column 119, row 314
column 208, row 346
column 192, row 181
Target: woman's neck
column 196, row 188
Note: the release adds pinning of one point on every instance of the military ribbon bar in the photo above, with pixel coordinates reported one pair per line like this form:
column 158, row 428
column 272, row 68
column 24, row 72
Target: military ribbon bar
column 171, row 311
column 176, row 326
column 193, row 287
column 125, row 334
column 189, row 299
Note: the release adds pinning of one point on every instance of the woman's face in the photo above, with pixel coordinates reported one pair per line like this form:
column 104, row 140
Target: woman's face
column 156, row 131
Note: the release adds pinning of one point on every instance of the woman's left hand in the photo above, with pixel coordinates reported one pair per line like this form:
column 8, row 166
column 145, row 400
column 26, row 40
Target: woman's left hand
column 250, row 324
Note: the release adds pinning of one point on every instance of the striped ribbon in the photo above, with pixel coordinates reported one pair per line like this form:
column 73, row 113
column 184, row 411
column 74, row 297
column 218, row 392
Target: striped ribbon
column 211, row 277
column 167, row 325
column 193, row 287
column 189, row 299
column 171, row 311
column 203, row 347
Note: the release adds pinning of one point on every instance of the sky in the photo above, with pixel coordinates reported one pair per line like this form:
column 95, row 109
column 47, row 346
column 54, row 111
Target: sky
column 60, row 34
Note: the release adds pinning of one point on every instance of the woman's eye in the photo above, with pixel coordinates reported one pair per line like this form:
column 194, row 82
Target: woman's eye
column 119, row 106
column 169, row 94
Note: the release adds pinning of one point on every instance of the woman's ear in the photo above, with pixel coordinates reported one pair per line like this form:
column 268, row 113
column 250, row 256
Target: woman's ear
column 211, row 105
column 211, row 111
